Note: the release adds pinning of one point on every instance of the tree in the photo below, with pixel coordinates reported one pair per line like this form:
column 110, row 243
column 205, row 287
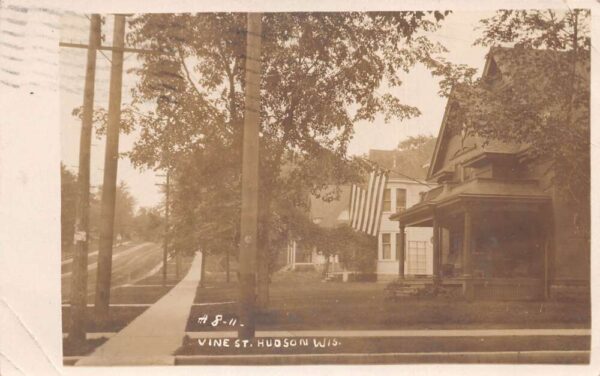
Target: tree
column 148, row 224
column 322, row 72
column 544, row 101
column 68, row 202
column 415, row 142
column 124, row 211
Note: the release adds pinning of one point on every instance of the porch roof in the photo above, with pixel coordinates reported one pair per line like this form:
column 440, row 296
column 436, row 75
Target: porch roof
column 494, row 191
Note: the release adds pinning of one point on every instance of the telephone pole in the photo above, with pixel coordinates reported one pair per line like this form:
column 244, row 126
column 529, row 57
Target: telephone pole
column 166, row 234
column 107, row 213
column 78, row 297
column 249, row 217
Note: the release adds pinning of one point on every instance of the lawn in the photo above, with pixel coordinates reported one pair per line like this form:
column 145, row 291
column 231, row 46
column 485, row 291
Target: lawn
column 300, row 301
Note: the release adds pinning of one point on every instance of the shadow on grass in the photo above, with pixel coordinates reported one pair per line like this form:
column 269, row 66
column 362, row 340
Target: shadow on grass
column 71, row 349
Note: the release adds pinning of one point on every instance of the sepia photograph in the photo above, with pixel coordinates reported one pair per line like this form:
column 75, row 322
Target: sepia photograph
column 323, row 188
column 308, row 188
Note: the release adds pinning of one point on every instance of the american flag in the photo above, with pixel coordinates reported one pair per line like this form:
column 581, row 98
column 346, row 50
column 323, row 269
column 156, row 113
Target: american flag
column 366, row 203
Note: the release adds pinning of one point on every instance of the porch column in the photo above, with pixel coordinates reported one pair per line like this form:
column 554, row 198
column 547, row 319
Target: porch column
column 466, row 257
column 400, row 247
column 436, row 250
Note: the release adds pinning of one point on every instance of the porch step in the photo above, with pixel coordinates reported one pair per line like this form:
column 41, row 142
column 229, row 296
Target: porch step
column 407, row 288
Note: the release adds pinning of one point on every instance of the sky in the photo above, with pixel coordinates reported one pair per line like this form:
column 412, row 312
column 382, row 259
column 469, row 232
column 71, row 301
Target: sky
column 419, row 89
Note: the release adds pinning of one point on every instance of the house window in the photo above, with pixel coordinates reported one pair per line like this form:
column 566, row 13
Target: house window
column 400, row 199
column 387, row 200
column 386, row 246
column 417, row 257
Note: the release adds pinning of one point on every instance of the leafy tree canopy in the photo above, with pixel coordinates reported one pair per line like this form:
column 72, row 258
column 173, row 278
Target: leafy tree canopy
column 321, row 73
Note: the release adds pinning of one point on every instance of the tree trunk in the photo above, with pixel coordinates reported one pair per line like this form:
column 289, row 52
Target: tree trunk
column 227, row 268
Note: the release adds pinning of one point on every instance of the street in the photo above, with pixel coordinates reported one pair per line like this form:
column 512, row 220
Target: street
column 131, row 262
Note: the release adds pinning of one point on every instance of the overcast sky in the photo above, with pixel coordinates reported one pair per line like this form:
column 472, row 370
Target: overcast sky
column 419, row 89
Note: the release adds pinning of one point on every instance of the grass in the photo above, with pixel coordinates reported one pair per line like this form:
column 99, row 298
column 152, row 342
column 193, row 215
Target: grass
column 118, row 318
column 138, row 295
column 70, row 349
column 299, row 301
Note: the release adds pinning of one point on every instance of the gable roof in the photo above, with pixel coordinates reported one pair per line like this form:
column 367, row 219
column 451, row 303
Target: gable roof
column 508, row 59
column 505, row 61
column 410, row 163
column 439, row 139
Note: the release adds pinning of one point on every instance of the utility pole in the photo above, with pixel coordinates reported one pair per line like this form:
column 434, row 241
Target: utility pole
column 166, row 234
column 80, row 257
column 249, row 217
column 107, row 213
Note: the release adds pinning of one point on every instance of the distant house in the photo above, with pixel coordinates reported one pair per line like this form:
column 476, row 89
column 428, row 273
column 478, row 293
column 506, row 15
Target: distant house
column 500, row 226
column 326, row 214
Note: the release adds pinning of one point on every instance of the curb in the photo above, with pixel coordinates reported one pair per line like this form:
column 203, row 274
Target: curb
column 500, row 357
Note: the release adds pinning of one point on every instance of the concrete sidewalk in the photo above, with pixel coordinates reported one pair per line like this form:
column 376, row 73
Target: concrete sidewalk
column 153, row 337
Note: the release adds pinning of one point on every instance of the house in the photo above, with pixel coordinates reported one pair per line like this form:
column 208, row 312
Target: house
column 407, row 170
column 405, row 183
column 501, row 227
column 326, row 214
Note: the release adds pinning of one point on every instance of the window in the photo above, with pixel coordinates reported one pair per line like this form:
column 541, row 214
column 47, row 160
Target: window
column 387, row 200
column 400, row 199
column 417, row 257
column 386, row 247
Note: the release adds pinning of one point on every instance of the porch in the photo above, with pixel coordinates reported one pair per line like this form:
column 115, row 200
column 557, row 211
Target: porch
column 491, row 243
column 482, row 288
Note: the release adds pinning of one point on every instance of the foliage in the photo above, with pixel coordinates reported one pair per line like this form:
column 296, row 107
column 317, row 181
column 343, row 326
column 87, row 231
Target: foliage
column 205, row 205
column 415, row 142
column 124, row 207
column 356, row 250
column 541, row 98
column 546, row 28
column 124, row 211
column 321, row 73
column 148, row 224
